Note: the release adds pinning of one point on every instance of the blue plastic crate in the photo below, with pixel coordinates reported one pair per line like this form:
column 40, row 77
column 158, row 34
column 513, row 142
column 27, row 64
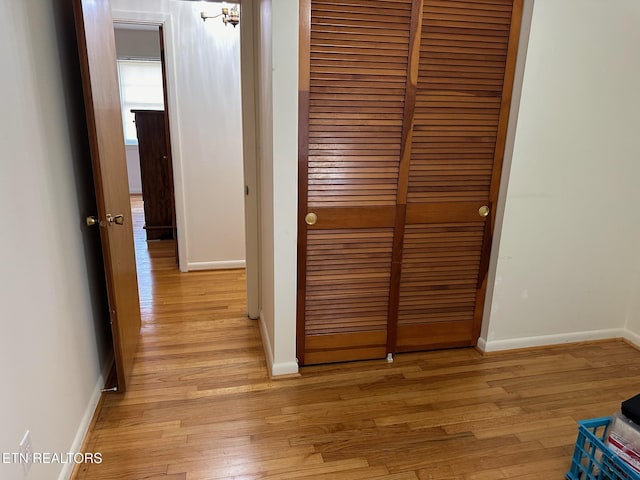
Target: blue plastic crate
column 592, row 459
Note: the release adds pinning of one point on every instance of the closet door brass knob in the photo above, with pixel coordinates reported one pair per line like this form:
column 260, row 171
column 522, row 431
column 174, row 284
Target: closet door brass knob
column 483, row 211
column 311, row 218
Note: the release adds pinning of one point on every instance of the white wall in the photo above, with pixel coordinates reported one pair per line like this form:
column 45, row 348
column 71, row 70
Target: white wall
column 52, row 345
column 278, row 100
column 568, row 260
column 133, row 169
column 207, row 136
column 285, row 174
column 265, row 162
column 633, row 310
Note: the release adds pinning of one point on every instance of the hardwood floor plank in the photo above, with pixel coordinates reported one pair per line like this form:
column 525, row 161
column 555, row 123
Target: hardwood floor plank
column 202, row 406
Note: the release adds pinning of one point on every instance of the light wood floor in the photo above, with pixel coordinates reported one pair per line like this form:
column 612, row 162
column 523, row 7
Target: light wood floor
column 201, row 405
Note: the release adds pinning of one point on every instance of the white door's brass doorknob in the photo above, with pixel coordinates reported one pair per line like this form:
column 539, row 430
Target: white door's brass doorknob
column 483, row 211
column 311, row 218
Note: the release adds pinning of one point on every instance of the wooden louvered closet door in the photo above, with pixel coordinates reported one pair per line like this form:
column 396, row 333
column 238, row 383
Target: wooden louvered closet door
column 467, row 59
column 353, row 93
column 403, row 112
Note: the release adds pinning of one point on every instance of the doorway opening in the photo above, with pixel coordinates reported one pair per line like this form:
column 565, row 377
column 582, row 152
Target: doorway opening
column 153, row 250
column 143, row 97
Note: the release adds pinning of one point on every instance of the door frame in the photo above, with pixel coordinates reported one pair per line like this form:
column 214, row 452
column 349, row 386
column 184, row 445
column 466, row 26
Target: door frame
column 249, row 71
column 250, row 140
column 165, row 20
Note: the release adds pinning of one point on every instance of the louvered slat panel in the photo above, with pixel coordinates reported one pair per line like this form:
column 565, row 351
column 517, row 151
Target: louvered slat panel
column 439, row 272
column 358, row 67
column 462, row 64
column 438, row 285
column 348, row 275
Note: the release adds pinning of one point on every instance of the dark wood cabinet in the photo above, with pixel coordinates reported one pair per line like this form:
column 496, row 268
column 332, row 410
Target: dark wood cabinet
column 156, row 171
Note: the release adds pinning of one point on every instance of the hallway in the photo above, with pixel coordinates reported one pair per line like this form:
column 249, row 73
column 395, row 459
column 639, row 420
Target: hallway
column 195, row 336
column 201, row 405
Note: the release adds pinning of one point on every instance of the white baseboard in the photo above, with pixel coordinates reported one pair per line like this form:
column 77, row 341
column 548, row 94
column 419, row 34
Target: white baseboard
column 85, row 423
column 266, row 343
column 275, row 369
column 482, row 345
column 284, row 368
column 224, row 265
column 632, row 337
column 558, row 339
